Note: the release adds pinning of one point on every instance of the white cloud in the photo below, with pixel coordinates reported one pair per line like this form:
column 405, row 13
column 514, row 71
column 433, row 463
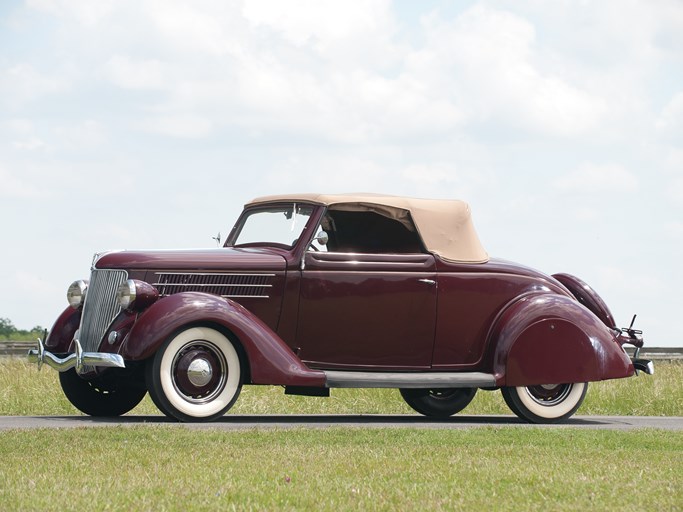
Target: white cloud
column 32, row 285
column 447, row 180
column 83, row 135
column 486, row 60
column 29, row 144
column 673, row 230
column 675, row 190
column 22, row 83
column 341, row 173
column 211, row 27
column 586, row 213
column 623, row 280
column 181, row 125
column 430, row 174
column 319, row 21
column 670, row 121
column 14, row 187
column 590, row 177
column 132, row 73
column 84, row 11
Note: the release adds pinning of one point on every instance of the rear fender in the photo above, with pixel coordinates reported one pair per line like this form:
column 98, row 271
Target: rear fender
column 270, row 360
column 552, row 339
column 62, row 333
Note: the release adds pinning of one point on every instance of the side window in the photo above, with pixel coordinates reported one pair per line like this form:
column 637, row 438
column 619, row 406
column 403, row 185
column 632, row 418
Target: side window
column 369, row 232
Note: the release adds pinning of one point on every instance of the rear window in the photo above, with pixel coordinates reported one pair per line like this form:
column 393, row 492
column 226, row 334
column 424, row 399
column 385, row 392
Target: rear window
column 370, row 232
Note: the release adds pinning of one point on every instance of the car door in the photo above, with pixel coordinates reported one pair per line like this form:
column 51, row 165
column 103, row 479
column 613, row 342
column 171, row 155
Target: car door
column 374, row 311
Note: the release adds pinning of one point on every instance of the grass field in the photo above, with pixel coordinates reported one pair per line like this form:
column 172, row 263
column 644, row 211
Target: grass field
column 173, row 468
column 25, row 391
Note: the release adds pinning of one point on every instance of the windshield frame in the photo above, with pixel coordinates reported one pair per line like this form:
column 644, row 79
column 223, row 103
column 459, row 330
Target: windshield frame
column 303, row 232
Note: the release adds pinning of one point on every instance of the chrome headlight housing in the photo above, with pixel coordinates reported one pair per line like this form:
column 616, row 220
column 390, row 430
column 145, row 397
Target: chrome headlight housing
column 135, row 295
column 76, row 293
column 126, row 294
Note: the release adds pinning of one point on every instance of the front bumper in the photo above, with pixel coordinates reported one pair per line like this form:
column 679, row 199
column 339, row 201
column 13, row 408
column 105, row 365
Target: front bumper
column 78, row 360
column 643, row 365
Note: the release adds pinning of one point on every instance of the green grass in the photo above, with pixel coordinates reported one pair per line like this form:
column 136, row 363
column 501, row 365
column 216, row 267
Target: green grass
column 172, row 468
column 25, row 391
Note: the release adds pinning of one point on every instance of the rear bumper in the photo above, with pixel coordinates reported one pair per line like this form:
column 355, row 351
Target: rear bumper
column 643, row 365
column 77, row 360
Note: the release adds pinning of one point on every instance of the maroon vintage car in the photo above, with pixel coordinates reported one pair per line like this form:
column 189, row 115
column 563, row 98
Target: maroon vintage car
column 313, row 292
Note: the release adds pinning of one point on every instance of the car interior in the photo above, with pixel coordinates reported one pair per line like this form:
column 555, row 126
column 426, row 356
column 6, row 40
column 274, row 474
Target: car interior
column 369, row 231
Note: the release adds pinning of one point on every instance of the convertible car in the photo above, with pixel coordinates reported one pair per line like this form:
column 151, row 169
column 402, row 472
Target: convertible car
column 313, row 292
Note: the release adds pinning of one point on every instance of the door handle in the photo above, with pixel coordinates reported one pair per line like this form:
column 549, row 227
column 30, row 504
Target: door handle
column 427, row 281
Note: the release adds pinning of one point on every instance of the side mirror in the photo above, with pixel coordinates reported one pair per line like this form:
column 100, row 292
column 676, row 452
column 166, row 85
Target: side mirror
column 217, row 238
column 322, row 238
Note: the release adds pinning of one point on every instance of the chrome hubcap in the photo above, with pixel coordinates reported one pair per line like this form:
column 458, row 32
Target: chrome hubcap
column 199, row 372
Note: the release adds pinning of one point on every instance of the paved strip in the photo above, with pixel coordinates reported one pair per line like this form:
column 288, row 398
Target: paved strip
column 235, row 422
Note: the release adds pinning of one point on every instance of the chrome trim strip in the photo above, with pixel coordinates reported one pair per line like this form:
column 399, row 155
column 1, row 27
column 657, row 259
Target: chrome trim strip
column 216, row 285
column 211, row 274
column 228, row 285
column 229, row 296
column 351, row 379
column 246, row 296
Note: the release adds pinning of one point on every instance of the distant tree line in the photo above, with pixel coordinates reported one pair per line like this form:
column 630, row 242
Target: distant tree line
column 9, row 332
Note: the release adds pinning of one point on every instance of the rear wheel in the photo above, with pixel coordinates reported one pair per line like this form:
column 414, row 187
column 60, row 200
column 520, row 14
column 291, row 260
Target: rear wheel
column 195, row 375
column 438, row 403
column 102, row 396
column 547, row 403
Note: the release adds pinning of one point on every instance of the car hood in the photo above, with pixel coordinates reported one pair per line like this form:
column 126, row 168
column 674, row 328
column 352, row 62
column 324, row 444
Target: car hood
column 195, row 259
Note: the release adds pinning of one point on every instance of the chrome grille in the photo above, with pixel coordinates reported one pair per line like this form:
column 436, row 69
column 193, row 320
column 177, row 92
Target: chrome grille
column 100, row 306
column 226, row 285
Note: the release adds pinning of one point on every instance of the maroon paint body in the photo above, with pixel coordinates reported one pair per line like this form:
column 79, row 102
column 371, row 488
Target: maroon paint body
column 367, row 311
column 412, row 312
column 271, row 362
column 62, row 333
column 587, row 296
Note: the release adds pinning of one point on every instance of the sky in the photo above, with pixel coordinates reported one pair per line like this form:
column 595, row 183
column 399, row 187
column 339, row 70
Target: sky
column 147, row 124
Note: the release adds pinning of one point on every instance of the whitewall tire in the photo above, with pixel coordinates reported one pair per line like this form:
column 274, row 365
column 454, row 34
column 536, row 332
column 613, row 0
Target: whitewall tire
column 195, row 375
column 547, row 403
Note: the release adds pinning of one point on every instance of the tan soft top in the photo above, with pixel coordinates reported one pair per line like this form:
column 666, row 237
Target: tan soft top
column 445, row 225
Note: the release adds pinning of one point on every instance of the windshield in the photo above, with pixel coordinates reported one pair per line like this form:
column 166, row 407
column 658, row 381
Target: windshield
column 281, row 225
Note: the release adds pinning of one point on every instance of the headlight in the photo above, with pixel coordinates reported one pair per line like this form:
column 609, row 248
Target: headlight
column 126, row 294
column 136, row 295
column 76, row 293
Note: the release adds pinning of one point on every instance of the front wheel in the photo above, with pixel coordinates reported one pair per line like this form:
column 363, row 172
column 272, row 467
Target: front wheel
column 438, row 403
column 547, row 403
column 195, row 375
column 102, row 396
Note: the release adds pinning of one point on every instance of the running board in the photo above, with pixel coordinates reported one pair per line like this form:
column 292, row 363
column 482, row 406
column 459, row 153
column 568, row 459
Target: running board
column 343, row 379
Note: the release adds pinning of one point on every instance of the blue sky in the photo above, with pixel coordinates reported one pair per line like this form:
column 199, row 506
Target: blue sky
column 149, row 123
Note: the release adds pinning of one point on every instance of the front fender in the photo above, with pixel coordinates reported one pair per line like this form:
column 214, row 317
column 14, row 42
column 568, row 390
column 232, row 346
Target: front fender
column 270, row 359
column 62, row 333
column 551, row 339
